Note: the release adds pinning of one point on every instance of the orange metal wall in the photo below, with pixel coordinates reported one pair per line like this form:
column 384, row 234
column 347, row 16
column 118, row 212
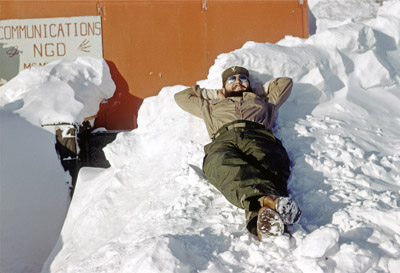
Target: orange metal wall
column 150, row 44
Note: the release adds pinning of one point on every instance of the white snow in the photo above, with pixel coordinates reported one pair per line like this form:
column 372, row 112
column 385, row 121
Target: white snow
column 153, row 210
column 34, row 190
column 59, row 92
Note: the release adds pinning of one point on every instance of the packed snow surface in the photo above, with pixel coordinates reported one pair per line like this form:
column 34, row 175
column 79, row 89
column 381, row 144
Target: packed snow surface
column 34, row 190
column 153, row 210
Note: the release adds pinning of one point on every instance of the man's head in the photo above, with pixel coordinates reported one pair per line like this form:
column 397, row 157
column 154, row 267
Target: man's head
column 235, row 81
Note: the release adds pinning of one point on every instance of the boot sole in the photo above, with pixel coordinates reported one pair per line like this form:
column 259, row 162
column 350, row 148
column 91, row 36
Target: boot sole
column 269, row 223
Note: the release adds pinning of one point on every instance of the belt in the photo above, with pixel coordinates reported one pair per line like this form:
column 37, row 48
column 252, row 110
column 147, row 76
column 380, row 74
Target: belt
column 238, row 124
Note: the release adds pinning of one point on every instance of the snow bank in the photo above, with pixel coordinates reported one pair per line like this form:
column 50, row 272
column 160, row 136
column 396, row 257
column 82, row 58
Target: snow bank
column 153, row 211
column 34, row 193
column 334, row 13
column 60, row 91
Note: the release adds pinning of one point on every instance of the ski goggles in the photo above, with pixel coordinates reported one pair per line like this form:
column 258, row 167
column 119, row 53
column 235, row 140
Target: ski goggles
column 232, row 79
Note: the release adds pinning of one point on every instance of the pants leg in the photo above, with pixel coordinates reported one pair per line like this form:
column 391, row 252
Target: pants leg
column 266, row 152
column 245, row 165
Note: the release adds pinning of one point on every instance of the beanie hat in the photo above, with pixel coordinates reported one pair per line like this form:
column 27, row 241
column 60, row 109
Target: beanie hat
column 233, row 71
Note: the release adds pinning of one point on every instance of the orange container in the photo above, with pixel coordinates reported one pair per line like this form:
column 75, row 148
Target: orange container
column 150, row 44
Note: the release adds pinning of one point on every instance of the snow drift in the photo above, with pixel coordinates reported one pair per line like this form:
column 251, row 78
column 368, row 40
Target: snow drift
column 153, row 211
column 34, row 190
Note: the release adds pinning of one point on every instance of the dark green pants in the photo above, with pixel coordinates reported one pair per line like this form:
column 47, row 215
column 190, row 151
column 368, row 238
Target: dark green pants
column 245, row 164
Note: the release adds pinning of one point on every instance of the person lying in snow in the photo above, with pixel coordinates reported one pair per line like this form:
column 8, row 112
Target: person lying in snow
column 245, row 161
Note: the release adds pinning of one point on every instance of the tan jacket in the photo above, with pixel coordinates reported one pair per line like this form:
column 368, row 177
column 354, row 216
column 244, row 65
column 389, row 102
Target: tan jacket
column 259, row 106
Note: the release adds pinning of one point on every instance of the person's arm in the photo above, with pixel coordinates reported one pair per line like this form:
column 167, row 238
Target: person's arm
column 212, row 94
column 190, row 100
column 278, row 90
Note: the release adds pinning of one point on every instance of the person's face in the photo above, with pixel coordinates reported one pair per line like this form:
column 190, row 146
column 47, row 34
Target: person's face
column 235, row 85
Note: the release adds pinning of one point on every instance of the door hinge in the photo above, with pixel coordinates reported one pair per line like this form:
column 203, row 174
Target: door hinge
column 101, row 8
column 204, row 5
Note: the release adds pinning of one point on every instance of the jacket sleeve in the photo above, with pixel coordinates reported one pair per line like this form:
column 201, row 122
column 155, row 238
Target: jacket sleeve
column 279, row 90
column 191, row 100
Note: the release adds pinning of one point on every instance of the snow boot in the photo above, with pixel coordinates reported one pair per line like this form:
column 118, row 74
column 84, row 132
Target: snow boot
column 289, row 212
column 269, row 224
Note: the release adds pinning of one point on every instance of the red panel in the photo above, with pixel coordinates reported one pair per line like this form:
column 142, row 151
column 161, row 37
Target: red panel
column 231, row 24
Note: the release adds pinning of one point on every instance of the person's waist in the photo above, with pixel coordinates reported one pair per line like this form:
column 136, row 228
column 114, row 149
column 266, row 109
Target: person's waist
column 238, row 124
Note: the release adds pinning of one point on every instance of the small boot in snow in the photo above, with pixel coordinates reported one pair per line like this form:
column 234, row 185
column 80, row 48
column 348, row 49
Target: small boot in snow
column 285, row 206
